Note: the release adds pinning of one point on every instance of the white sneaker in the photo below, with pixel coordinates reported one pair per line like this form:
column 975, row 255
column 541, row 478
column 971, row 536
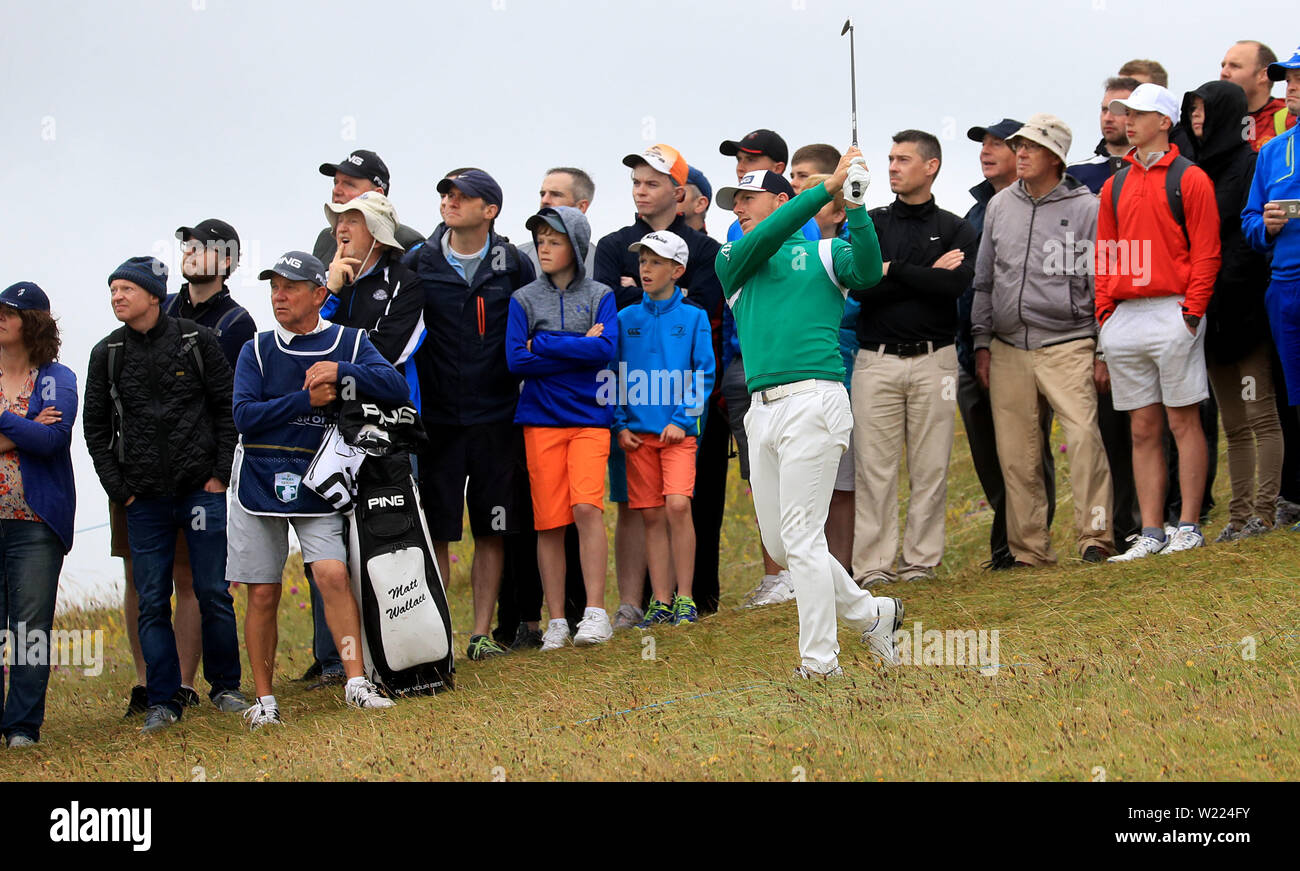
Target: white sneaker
column 1185, row 538
column 1143, row 547
column 772, row 590
column 556, row 635
column 880, row 639
column 361, row 693
column 594, row 628
column 803, row 672
column 260, row 715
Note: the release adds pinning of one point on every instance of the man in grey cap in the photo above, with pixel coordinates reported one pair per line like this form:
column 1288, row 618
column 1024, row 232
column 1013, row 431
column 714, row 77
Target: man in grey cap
column 1035, row 335
column 286, row 381
column 355, row 174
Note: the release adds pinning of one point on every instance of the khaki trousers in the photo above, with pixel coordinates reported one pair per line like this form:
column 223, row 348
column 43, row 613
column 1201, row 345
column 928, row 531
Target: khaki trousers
column 901, row 403
column 1062, row 374
column 1244, row 391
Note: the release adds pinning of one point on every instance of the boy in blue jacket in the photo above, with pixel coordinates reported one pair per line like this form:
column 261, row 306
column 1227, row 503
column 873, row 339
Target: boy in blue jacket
column 665, row 376
column 561, row 335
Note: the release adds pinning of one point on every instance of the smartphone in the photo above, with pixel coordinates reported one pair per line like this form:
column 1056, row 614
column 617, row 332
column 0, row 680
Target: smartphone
column 1291, row 207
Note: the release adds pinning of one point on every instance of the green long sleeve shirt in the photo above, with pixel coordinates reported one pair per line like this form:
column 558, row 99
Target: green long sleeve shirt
column 786, row 305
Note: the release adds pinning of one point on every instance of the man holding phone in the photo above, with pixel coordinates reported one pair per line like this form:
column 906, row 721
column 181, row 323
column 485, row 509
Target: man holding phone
column 1271, row 223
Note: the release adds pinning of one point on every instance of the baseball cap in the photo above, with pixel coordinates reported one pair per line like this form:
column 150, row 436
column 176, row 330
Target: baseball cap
column 25, row 296
column 548, row 216
column 474, row 183
column 378, row 212
column 695, row 177
column 360, row 164
column 1149, row 97
column 758, row 180
column 1001, row 130
column 661, row 158
column 1277, row 71
column 758, row 142
column 664, row 243
column 211, row 230
column 1048, row 131
column 296, row 266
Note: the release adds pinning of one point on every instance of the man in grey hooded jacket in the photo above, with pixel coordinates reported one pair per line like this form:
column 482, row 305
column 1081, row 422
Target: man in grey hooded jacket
column 1035, row 334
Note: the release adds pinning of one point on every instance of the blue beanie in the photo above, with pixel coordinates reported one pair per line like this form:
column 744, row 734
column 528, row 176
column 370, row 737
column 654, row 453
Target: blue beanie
column 148, row 272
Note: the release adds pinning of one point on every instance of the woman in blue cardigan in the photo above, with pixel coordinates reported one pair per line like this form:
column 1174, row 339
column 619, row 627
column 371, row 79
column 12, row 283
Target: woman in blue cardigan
column 38, row 405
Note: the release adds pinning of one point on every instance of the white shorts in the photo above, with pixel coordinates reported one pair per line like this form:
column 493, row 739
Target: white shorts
column 257, row 545
column 1152, row 357
column 844, row 474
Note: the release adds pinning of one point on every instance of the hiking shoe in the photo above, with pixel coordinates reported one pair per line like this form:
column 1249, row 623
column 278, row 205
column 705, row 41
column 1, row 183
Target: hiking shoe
column 17, row 742
column 657, row 613
column 1231, row 532
column 594, row 628
column 1255, row 526
column 482, row 647
column 526, row 639
column 330, row 677
column 556, row 635
column 1287, row 513
column 311, row 673
column 1185, row 538
column 772, row 590
column 230, row 701
column 880, row 638
column 627, row 617
column 1093, row 554
column 684, row 611
column 159, row 717
column 188, row 697
column 139, row 702
column 361, row 693
column 911, row 576
column 260, row 715
column 803, row 672
column 1143, row 546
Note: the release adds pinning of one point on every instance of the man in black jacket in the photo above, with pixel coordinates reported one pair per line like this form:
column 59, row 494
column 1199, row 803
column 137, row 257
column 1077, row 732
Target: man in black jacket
column 355, row 174
column 467, row 392
column 160, row 430
column 905, row 376
column 659, row 176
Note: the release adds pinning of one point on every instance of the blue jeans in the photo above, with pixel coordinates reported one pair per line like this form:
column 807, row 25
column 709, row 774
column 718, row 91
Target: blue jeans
column 151, row 525
column 31, row 556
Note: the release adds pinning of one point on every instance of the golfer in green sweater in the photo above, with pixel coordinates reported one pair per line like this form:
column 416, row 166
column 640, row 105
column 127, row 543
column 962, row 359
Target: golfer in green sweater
column 787, row 295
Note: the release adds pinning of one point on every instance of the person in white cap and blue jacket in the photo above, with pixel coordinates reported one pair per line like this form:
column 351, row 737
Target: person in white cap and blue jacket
column 38, row 405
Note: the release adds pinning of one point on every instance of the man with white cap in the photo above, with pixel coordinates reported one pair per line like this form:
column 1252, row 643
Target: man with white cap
column 788, row 298
column 370, row 288
column 1157, row 258
column 1035, row 335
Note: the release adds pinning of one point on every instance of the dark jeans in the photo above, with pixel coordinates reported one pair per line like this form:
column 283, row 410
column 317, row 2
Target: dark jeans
column 977, row 416
column 31, row 557
column 1117, row 437
column 1290, row 490
column 709, row 504
column 151, row 525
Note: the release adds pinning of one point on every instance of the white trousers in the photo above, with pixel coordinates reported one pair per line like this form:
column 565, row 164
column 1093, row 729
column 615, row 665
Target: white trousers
column 795, row 445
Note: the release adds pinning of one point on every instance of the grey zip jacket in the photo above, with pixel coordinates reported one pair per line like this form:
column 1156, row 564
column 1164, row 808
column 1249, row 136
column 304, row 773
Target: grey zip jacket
column 1034, row 272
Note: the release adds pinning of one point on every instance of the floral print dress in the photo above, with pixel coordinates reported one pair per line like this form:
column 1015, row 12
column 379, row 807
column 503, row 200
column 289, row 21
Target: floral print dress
column 13, row 503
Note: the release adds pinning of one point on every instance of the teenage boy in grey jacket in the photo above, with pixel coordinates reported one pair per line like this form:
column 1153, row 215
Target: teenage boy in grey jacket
column 1035, row 334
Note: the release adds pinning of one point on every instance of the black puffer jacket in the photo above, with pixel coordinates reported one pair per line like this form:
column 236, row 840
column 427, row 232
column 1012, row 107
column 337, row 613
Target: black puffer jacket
column 1236, row 321
column 178, row 430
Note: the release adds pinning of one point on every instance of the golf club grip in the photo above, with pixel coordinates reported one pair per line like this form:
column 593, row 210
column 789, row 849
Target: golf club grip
column 857, row 190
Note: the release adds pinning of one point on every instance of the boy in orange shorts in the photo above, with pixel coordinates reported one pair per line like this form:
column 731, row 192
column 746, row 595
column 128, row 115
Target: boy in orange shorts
column 561, row 335
column 665, row 375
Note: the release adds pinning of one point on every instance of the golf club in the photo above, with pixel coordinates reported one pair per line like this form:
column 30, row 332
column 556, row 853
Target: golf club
column 853, row 85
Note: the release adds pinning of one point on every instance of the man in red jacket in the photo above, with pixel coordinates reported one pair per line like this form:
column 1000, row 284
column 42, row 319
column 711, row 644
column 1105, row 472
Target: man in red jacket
column 1155, row 273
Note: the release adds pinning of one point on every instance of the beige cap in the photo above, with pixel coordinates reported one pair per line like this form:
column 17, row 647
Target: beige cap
column 381, row 218
column 1048, row 131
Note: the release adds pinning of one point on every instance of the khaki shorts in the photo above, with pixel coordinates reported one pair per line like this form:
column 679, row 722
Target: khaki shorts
column 119, row 546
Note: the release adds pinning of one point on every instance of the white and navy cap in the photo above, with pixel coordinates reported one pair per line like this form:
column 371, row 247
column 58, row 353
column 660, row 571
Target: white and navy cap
column 668, row 245
column 758, row 180
column 296, row 266
column 1149, row 97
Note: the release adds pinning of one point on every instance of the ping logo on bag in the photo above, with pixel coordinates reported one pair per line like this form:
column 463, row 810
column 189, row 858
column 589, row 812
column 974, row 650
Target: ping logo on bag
column 286, row 486
column 403, row 415
column 396, row 501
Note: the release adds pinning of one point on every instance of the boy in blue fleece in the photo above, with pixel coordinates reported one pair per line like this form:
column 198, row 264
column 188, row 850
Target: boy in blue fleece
column 561, row 335
column 665, row 376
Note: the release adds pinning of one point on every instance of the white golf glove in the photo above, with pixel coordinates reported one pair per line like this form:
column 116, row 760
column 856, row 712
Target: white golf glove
column 861, row 176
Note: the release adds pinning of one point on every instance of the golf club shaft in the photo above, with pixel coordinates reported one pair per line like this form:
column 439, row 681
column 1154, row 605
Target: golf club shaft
column 853, row 87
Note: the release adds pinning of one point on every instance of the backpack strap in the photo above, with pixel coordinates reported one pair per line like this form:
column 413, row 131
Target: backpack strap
column 1117, row 185
column 171, row 304
column 1279, row 120
column 1174, row 191
column 227, row 319
column 116, row 361
column 190, row 345
column 828, row 263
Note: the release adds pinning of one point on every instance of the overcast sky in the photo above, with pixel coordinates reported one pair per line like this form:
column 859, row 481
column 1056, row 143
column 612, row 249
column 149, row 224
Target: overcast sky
column 124, row 120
